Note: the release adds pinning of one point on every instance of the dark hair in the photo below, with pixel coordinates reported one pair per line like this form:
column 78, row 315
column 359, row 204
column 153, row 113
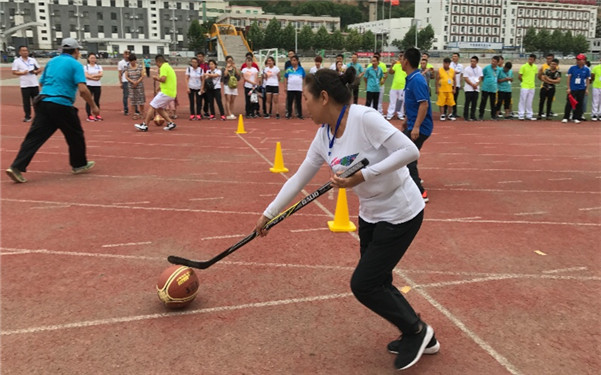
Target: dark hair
column 200, row 53
column 213, row 61
column 377, row 54
column 318, row 59
column 22, row 47
column 426, row 53
column 501, row 57
column 249, row 54
column 376, row 57
column 550, row 55
column 556, row 61
column 413, row 56
column 508, row 65
column 159, row 58
column 532, row 55
column 446, row 60
column 293, row 51
column 229, row 57
column 270, row 58
column 90, row 54
column 457, row 53
column 587, row 63
column 475, row 58
column 69, row 51
column 496, row 58
column 132, row 57
column 195, row 59
column 337, row 86
column 340, row 55
column 294, row 57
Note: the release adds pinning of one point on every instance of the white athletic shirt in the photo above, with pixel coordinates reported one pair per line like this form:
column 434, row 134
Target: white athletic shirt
column 313, row 70
column 388, row 192
column 216, row 80
column 122, row 67
column 272, row 80
column 473, row 74
column 26, row 80
column 458, row 68
column 195, row 76
column 92, row 70
column 252, row 74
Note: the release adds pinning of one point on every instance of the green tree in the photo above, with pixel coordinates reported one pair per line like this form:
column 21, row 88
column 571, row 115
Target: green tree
column 581, row 44
column 557, row 38
column 337, row 40
column 196, row 36
column 354, row 40
column 425, row 37
column 369, row 40
column 287, row 37
column 567, row 43
column 271, row 37
column 255, row 36
column 322, row 38
column 305, row 38
column 543, row 41
column 529, row 41
column 408, row 40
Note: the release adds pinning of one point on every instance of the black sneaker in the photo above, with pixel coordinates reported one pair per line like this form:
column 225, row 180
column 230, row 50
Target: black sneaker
column 432, row 348
column 277, row 116
column 171, row 126
column 27, row 119
column 412, row 347
column 300, row 117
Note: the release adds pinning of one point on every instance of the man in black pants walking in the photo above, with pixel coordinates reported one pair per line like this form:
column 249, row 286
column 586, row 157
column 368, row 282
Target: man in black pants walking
column 61, row 79
column 27, row 68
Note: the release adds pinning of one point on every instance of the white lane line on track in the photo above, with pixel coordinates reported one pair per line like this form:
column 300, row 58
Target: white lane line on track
column 224, row 236
column 206, row 199
column 509, row 182
column 559, row 179
column 530, row 213
column 50, row 207
column 475, row 219
column 571, row 269
column 459, row 184
column 589, row 208
column 307, row 230
column 129, row 319
column 127, row 203
column 127, row 244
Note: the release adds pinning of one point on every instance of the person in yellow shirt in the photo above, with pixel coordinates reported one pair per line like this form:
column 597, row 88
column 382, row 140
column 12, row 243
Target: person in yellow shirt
column 397, row 90
column 168, row 85
column 445, row 88
column 547, row 65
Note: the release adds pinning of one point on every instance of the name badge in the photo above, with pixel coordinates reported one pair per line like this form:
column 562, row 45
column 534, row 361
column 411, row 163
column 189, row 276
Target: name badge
column 577, row 81
column 449, row 82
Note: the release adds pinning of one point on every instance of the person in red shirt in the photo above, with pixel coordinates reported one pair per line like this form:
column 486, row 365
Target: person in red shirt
column 249, row 62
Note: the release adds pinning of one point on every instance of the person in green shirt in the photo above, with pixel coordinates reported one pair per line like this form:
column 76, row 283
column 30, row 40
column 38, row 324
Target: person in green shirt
column 166, row 95
column 384, row 68
column 359, row 71
column 397, row 90
column 528, row 73
column 596, row 79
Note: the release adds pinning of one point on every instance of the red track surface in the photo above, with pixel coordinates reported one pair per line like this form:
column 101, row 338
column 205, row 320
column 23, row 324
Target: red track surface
column 81, row 254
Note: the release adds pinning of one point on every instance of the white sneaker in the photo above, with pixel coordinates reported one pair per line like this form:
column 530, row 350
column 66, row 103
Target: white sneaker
column 576, row 121
column 141, row 127
column 442, row 117
column 532, row 119
column 388, row 118
column 402, row 118
column 170, row 126
column 593, row 118
column 564, row 121
column 231, row 117
column 452, row 118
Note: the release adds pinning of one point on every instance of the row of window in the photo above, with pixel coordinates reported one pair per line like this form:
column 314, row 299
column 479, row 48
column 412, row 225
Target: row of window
column 479, row 2
column 476, row 30
column 471, row 38
column 573, row 14
column 476, row 20
column 475, row 10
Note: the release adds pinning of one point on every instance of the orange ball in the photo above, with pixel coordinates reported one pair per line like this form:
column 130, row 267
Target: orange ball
column 177, row 286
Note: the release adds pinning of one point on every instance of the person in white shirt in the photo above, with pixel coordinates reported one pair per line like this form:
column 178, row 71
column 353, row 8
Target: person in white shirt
column 271, row 78
column 214, row 93
column 27, row 68
column 391, row 208
column 93, row 73
column 472, row 76
column 339, row 59
column 458, row 68
column 195, row 80
column 318, row 60
column 250, row 74
column 122, row 67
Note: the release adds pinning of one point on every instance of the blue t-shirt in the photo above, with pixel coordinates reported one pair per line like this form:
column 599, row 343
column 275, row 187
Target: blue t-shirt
column 358, row 67
column 60, row 79
column 489, row 79
column 504, row 86
column 373, row 77
column 578, row 77
column 416, row 91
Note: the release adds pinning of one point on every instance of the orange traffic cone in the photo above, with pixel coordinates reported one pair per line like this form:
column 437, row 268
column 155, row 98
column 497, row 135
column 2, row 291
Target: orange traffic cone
column 278, row 164
column 240, row 126
column 341, row 221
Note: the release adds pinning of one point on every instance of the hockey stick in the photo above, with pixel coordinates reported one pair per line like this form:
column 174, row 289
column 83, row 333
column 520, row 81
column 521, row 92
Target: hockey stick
column 302, row 203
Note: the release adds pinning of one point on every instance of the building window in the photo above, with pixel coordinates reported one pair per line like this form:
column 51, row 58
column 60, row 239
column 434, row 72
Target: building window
column 114, row 29
column 100, row 28
column 113, row 16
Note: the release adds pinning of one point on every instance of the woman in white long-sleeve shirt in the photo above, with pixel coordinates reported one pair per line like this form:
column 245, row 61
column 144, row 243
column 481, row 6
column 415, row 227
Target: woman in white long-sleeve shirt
column 391, row 206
